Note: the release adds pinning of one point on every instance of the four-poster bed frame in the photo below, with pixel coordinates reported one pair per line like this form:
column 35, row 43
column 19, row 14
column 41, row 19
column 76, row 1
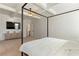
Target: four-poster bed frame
column 23, row 8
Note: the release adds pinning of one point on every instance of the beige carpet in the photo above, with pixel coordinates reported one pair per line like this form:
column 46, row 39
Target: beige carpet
column 11, row 47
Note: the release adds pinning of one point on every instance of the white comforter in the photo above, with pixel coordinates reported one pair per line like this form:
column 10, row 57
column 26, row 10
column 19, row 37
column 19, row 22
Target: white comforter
column 43, row 47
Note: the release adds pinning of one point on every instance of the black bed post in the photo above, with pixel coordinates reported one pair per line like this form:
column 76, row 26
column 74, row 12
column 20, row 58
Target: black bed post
column 22, row 28
column 22, row 25
column 47, row 27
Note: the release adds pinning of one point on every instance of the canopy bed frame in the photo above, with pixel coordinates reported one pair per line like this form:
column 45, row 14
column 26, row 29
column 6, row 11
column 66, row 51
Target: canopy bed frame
column 47, row 17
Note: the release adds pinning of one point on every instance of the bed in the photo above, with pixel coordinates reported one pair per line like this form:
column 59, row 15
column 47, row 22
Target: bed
column 48, row 46
column 44, row 47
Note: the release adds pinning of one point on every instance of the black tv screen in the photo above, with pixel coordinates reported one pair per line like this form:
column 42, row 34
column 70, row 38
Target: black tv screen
column 10, row 25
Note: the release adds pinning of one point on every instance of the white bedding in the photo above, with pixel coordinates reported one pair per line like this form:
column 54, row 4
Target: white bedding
column 43, row 47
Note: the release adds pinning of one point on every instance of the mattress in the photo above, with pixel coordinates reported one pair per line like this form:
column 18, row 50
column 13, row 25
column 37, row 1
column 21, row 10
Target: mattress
column 43, row 47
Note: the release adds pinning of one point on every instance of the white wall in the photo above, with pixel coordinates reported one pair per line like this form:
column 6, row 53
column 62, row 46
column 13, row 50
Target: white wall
column 65, row 26
column 39, row 27
column 4, row 18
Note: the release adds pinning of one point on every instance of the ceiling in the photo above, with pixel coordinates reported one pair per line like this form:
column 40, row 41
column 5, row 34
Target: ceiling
column 42, row 8
column 46, row 9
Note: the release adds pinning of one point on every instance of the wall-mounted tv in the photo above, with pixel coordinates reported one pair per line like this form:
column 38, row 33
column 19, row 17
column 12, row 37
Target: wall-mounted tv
column 12, row 25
